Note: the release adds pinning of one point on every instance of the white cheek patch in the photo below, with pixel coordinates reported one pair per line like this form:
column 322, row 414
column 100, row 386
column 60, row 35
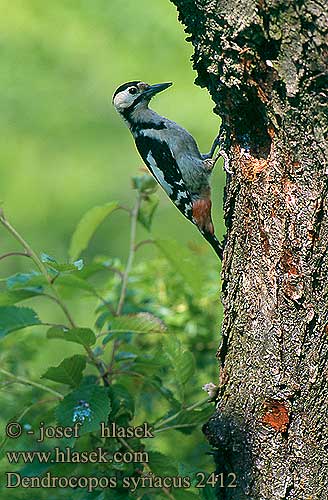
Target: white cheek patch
column 159, row 174
column 123, row 100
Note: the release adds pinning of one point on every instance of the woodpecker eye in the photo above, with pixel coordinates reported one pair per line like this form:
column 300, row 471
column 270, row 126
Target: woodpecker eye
column 133, row 90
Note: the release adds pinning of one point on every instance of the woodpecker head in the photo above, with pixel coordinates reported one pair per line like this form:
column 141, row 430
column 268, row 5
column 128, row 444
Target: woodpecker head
column 135, row 94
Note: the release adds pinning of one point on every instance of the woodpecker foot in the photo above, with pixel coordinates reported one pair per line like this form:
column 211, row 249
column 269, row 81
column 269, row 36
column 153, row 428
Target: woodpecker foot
column 210, row 159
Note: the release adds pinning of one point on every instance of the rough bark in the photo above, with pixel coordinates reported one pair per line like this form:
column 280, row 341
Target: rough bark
column 264, row 65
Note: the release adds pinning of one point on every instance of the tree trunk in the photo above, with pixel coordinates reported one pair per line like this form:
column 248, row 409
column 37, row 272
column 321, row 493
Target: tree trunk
column 263, row 63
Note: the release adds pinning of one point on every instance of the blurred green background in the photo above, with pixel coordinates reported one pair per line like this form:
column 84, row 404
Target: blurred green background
column 63, row 147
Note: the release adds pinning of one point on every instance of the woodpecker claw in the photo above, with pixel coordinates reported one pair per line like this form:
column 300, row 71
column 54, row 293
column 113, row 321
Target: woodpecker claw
column 209, row 158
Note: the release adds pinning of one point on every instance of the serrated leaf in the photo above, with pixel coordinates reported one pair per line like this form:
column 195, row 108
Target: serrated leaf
column 88, row 405
column 147, row 211
column 69, row 371
column 184, row 262
column 9, row 297
column 122, row 402
column 185, row 366
column 181, row 360
column 87, row 226
column 14, row 318
column 136, row 323
column 82, row 336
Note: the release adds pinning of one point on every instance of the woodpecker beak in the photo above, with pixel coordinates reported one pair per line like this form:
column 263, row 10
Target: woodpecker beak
column 155, row 89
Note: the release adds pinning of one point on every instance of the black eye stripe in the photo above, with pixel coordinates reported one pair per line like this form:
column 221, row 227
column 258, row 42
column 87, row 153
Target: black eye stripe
column 125, row 86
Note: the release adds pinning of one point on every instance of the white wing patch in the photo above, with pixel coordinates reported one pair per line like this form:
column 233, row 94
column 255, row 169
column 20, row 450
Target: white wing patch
column 159, row 174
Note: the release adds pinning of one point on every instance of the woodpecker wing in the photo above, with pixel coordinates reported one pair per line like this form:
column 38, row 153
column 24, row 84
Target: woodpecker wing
column 160, row 161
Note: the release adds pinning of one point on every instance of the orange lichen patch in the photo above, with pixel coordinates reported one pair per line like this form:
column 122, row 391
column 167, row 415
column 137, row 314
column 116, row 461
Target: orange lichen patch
column 288, row 263
column 311, row 234
column 326, row 329
column 264, row 239
column 251, row 166
column 224, row 377
column 201, row 211
column 276, row 415
column 271, row 131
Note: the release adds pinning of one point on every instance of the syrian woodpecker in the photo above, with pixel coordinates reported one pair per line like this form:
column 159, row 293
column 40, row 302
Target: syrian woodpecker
column 171, row 154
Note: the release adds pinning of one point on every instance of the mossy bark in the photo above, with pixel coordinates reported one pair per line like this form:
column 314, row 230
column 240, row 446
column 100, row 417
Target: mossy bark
column 264, row 65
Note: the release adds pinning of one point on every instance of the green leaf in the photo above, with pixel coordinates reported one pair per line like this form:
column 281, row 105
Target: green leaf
column 181, row 360
column 68, row 268
column 185, row 366
column 147, row 211
column 73, row 281
column 28, row 281
column 208, row 493
column 145, row 183
column 47, row 259
column 162, row 465
column 68, row 372
column 14, row 318
column 88, row 405
column 10, row 297
column 195, row 418
column 184, row 262
column 137, row 323
column 181, row 494
column 82, row 336
column 122, row 402
column 87, row 226
column 148, row 364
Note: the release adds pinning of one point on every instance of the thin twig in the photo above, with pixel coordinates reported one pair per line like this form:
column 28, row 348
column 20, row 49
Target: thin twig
column 56, row 297
column 26, row 381
column 189, row 408
column 38, row 262
column 10, row 254
column 177, row 426
column 143, row 242
column 133, row 232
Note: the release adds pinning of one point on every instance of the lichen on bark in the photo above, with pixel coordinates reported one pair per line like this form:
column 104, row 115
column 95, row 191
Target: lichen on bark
column 265, row 65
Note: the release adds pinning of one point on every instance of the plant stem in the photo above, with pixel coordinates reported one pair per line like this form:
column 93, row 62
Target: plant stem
column 26, row 381
column 189, row 408
column 128, row 267
column 55, row 297
column 38, row 262
column 143, row 242
column 10, row 254
column 133, row 231
column 168, row 428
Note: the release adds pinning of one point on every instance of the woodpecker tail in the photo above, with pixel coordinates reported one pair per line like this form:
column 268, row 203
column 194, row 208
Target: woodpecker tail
column 214, row 242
